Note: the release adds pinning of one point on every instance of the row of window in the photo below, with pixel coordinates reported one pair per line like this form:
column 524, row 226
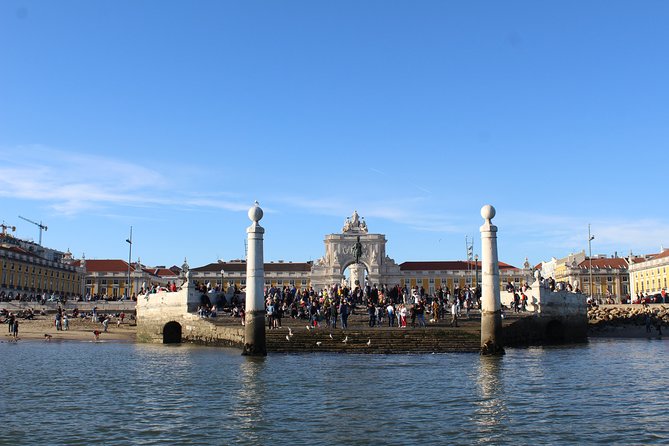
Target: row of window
column 652, row 272
column 34, row 270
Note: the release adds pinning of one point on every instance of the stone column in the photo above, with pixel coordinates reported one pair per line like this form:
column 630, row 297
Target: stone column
column 491, row 306
column 254, row 330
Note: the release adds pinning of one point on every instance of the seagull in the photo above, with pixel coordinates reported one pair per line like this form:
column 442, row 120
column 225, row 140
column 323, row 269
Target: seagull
column 290, row 332
column 318, row 343
column 287, row 338
column 331, row 336
column 369, row 342
column 345, row 340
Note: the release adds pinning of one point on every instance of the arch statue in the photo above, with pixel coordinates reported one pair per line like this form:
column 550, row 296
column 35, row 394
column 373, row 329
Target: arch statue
column 355, row 246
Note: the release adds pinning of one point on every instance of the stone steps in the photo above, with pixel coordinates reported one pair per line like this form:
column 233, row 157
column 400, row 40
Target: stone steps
column 373, row 341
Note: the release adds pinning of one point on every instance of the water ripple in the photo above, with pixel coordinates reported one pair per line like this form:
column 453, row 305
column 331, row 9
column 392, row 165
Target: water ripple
column 123, row 394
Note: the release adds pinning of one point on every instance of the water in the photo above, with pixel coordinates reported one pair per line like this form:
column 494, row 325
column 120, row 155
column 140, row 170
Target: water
column 605, row 392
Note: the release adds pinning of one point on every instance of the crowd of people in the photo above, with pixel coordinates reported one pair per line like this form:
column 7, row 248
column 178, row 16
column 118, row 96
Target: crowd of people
column 331, row 307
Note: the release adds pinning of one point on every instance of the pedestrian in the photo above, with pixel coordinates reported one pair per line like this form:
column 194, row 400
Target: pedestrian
column 105, row 323
column 343, row 312
column 454, row 315
column 391, row 314
column 15, row 329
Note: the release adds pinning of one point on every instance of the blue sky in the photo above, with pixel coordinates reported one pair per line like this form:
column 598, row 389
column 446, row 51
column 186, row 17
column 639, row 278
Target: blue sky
column 174, row 116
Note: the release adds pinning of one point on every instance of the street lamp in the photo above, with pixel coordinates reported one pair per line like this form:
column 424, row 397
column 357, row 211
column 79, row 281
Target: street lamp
column 127, row 285
column 223, row 281
column 590, row 239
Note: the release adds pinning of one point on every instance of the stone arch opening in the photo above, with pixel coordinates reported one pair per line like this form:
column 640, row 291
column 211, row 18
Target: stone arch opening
column 172, row 333
column 555, row 332
column 355, row 272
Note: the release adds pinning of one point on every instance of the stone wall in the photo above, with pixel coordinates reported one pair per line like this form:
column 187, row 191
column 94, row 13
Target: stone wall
column 558, row 317
column 155, row 310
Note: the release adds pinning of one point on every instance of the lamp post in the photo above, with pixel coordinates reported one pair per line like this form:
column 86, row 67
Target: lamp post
column 223, row 281
column 127, row 285
column 590, row 239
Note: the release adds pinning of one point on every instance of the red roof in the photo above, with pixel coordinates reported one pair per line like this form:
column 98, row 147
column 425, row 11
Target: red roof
column 661, row 255
column 241, row 266
column 105, row 266
column 451, row 265
column 614, row 263
column 161, row 272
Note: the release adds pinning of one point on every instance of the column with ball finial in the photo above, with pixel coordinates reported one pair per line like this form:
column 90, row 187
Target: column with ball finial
column 491, row 305
column 254, row 329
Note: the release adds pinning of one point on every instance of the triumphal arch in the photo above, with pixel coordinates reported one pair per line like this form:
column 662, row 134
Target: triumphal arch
column 355, row 248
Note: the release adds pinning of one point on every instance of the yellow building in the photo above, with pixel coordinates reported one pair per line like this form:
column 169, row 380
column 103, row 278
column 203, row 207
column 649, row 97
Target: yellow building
column 26, row 275
column 610, row 277
column 108, row 279
column 648, row 274
column 234, row 273
column 457, row 274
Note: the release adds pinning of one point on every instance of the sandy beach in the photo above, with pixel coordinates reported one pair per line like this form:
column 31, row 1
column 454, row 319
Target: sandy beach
column 79, row 330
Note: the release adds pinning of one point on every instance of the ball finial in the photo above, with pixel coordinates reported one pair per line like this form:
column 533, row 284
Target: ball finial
column 255, row 213
column 488, row 212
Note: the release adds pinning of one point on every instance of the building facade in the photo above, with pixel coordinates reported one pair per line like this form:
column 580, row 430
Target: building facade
column 610, row 275
column 648, row 274
column 108, row 279
column 31, row 272
column 233, row 273
column 457, row 274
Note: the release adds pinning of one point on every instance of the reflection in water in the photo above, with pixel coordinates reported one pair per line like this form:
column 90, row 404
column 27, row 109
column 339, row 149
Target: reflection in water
column 251, row 399
column 126, row 394
column 491, row 413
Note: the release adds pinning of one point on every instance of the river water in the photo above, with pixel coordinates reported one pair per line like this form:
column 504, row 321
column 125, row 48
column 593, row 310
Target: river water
column 81, row 393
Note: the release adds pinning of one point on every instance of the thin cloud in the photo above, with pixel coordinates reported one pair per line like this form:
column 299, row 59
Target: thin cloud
column 562, row 234
column 72, row 183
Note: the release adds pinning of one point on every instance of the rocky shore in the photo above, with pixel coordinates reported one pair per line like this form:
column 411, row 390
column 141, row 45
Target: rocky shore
column 627, row 321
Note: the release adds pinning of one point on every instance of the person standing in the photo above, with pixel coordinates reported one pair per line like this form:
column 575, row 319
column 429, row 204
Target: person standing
column 343, row 312
column 333, row 315
column 420, row 314
column 435, row 309
column 15, row 328
column 403, row 316
column 270, row 315
column 454, row 314
column 391, row 314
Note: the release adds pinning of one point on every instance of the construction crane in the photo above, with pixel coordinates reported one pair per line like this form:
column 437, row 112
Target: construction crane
column 39, row 225
column 5, row 227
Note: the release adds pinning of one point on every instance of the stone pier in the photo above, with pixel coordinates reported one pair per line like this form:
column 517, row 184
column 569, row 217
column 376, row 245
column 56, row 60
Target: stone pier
column 491, row 306
column 254, row 330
